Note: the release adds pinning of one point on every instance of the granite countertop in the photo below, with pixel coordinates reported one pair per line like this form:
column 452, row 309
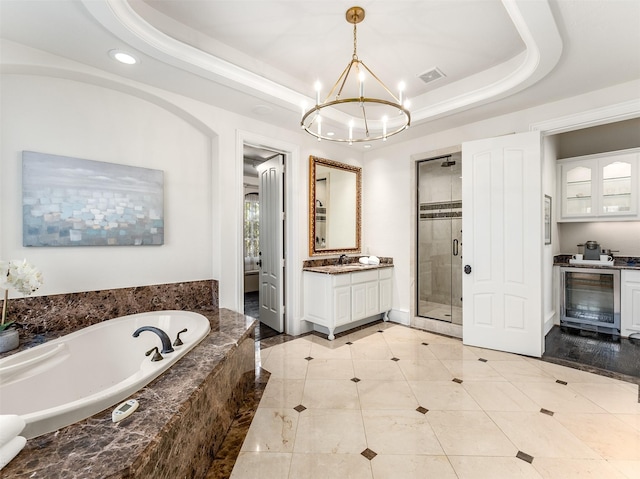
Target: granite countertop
column 619, row 262
column 345, row 268
column 351, row 264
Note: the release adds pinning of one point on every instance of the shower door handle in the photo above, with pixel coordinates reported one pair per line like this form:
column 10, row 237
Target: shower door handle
column 455, row 247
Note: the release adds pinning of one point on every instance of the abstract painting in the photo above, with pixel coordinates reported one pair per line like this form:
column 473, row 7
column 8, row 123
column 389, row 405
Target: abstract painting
column 76, row 202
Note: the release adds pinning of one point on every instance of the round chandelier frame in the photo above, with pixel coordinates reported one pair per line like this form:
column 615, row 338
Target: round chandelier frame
column 311, row 120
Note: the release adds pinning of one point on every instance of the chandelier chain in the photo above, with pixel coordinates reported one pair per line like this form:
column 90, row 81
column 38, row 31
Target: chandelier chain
column 355, row 42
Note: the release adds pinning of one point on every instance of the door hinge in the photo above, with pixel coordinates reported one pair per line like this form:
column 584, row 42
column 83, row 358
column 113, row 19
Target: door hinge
column 283, row 215
column 282, row 261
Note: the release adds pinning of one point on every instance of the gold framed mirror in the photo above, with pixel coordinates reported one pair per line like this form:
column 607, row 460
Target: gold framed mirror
column 334, row 207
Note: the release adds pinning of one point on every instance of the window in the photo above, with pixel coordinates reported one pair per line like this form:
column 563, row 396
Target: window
column 251, row 231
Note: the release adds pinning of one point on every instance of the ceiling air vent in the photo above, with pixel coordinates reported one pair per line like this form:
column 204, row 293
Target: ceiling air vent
column 431, row 75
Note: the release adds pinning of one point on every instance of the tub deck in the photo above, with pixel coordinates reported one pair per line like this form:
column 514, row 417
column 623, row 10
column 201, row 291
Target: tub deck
column 183, row 417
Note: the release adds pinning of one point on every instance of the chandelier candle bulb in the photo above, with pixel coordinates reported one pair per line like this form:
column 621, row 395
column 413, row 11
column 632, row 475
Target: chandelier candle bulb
column 361, row 78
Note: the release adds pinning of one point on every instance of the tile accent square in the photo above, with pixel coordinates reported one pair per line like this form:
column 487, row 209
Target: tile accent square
column 308, row 358
column 457, row 380
column 380, row 331
column 349, row 343
column 300, row 408
column 368, row 453
column 395, row 359
column 546, row 411
column 425, row 344
column 422, row 410
column 564, row 383
column 356, row 380
column 483, row 360
column 525, row 457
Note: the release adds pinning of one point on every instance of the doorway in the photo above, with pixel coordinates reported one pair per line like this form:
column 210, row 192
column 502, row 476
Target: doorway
column 263, row 241
column 439, row 243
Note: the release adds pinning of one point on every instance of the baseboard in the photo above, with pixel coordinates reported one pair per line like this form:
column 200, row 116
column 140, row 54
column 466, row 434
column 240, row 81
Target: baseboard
column 549, row 322
column 400, row 316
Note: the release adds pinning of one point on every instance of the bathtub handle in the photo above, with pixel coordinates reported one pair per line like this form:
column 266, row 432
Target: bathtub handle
column 156, row 356
column 178, row 341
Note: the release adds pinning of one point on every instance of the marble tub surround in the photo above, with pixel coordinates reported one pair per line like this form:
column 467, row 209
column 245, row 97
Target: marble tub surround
column 349, row 264
column 181, row 423
column 49, row 317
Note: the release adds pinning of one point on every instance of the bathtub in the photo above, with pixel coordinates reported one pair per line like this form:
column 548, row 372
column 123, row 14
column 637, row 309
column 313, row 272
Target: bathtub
column 78, row 375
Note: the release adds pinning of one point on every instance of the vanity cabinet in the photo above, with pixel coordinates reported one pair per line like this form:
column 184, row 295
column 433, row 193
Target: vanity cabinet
column 334, row 300
column 629, row 302
column 599, row 187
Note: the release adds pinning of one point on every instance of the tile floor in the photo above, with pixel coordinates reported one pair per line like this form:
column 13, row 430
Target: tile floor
column 390, row 402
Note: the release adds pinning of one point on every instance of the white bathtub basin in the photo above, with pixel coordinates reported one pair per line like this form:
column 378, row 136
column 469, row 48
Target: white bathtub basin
column 78, row 375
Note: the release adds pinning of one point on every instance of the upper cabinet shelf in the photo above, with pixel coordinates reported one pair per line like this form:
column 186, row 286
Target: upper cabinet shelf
column 600, row 187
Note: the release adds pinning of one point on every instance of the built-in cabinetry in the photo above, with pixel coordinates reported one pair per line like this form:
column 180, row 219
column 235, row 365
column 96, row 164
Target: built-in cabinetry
column 630, row 302
column 600, row 187
column 334, row 300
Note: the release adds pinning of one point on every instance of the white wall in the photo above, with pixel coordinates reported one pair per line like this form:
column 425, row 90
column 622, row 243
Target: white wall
column 549, row 188
column 622, row 236
column 69, row 118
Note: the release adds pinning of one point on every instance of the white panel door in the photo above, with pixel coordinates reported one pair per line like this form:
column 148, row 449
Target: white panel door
column 502, row 237
column 271, row 243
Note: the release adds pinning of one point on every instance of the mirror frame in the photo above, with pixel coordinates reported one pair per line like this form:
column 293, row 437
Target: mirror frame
column 313, row 161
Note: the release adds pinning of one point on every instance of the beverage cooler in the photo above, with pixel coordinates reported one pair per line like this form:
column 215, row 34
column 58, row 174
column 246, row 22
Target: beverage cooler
column 590, row 299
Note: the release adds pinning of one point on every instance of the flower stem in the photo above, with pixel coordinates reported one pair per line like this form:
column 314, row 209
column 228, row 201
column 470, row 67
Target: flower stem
column 4, row 305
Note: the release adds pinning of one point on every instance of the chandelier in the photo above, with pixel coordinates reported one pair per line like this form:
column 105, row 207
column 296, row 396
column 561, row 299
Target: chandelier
column 358, row 118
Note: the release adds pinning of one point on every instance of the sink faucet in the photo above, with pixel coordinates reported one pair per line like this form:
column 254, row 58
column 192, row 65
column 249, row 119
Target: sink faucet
column 342, row 258
column 166, row 342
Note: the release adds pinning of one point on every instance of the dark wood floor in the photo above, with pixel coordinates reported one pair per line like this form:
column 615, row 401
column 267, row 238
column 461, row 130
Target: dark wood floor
column 595, row 352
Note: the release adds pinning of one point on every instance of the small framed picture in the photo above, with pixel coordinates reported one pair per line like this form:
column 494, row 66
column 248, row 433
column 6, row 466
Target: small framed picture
column 547, row 219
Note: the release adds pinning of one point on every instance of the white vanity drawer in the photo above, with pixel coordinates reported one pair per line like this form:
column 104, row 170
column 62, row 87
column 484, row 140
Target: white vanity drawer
column 385, row 273
column 364, row 276
column 343, row 279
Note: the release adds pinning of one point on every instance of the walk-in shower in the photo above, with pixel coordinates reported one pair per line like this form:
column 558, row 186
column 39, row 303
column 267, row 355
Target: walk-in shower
column 439, row 229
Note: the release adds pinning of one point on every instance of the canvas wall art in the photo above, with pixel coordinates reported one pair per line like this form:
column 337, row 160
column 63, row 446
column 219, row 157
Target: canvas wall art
column 76, row 202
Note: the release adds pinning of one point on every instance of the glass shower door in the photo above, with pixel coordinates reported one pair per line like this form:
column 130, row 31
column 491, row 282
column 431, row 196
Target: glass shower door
column 439, row 282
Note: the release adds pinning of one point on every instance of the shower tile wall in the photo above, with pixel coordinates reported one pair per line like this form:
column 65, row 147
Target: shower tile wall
column 440, row 285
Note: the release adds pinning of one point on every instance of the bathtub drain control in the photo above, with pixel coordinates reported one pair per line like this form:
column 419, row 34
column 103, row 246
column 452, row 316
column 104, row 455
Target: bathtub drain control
column 124, row 410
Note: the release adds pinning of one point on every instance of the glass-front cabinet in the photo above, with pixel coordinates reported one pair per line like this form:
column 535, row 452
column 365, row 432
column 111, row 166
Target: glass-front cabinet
column 600, row 186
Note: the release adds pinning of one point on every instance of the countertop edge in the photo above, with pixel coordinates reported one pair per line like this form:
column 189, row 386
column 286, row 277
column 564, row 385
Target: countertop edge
column 343, row 269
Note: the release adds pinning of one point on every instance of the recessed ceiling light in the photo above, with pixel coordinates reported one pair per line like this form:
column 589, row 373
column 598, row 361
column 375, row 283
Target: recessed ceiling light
column 123, row 57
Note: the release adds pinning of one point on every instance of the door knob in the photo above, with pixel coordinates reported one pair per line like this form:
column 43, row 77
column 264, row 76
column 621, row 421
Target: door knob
column 467, row 269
